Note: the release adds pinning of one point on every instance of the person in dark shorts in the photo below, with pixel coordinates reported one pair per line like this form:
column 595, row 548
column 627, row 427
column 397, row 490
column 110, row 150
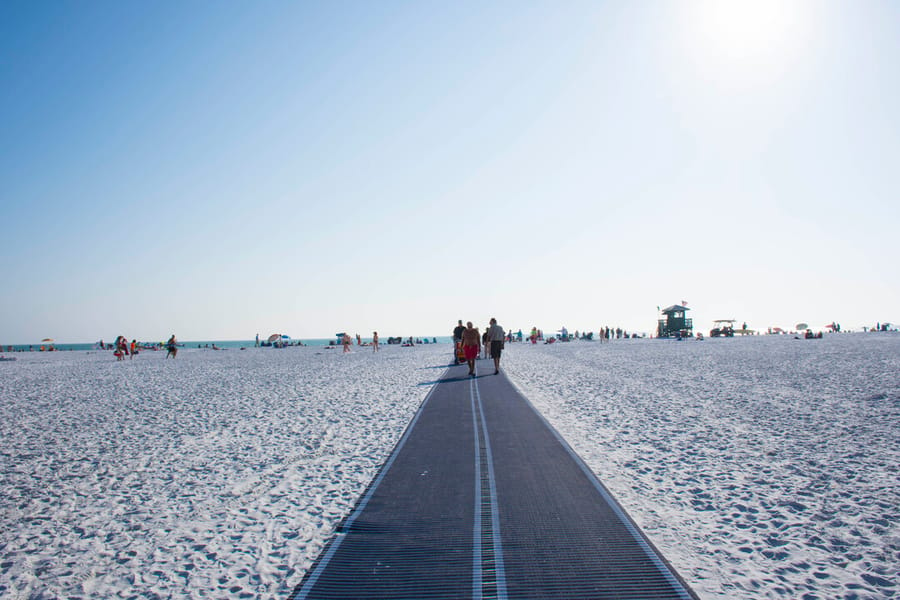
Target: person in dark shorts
column 496, row 337
column 172, row 347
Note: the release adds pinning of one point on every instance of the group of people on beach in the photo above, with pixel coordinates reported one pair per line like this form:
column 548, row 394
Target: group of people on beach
column 122, row 347
column 471, row 341
column 346, row 341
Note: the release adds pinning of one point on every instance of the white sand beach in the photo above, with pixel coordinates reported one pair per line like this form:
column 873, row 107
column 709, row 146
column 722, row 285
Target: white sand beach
column 764, row 467
column 761, row 467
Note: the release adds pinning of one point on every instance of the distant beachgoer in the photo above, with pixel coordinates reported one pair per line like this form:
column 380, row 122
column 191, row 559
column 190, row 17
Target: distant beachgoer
column 345, row 342
column 257, row 340
column 496, row 336
column 134, row 349
column 471, row 342
column 358, row 340
column 121, row 348
column 457, row 340
column 374, row 341
column 485, row 343
column 172, row 347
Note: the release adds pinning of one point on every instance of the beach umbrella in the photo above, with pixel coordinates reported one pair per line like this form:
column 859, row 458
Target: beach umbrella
column 47, row 340
column 802, row 326
column 274, row 337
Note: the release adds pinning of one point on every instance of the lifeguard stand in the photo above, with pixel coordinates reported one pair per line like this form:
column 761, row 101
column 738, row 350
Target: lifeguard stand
column 676, row 323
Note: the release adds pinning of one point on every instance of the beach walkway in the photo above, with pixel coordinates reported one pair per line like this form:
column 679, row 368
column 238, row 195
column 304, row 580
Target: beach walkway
column 481, row 498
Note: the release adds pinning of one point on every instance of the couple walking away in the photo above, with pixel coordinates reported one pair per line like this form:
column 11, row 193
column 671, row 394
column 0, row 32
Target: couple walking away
column 471, row 344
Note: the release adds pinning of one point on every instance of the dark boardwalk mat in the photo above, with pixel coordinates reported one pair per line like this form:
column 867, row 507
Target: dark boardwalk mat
column 482, row 499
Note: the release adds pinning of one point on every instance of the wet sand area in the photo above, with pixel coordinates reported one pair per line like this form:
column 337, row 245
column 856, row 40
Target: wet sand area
column 481, row 498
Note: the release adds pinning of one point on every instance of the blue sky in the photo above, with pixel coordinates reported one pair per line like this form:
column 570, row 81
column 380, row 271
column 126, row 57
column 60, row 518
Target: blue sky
column 222, row 169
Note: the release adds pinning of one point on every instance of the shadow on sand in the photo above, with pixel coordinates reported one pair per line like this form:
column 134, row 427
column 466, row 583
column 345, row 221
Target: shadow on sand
column 451, row 379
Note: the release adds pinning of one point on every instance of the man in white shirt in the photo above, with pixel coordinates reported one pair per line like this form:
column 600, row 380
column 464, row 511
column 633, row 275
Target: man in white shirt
column 496, row 337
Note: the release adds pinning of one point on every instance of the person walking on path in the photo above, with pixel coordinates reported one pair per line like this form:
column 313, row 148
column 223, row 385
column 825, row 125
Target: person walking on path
column 172, row 347
column 496, row 337
column 471, row 343
column 457, row 340
column 374, row 341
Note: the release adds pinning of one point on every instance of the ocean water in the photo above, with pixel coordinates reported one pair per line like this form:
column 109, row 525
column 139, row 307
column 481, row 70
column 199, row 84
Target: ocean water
column 201, row 344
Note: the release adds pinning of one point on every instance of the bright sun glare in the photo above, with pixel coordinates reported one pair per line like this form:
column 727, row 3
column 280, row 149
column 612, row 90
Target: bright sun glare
column 746, row 35
column 746, row 30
